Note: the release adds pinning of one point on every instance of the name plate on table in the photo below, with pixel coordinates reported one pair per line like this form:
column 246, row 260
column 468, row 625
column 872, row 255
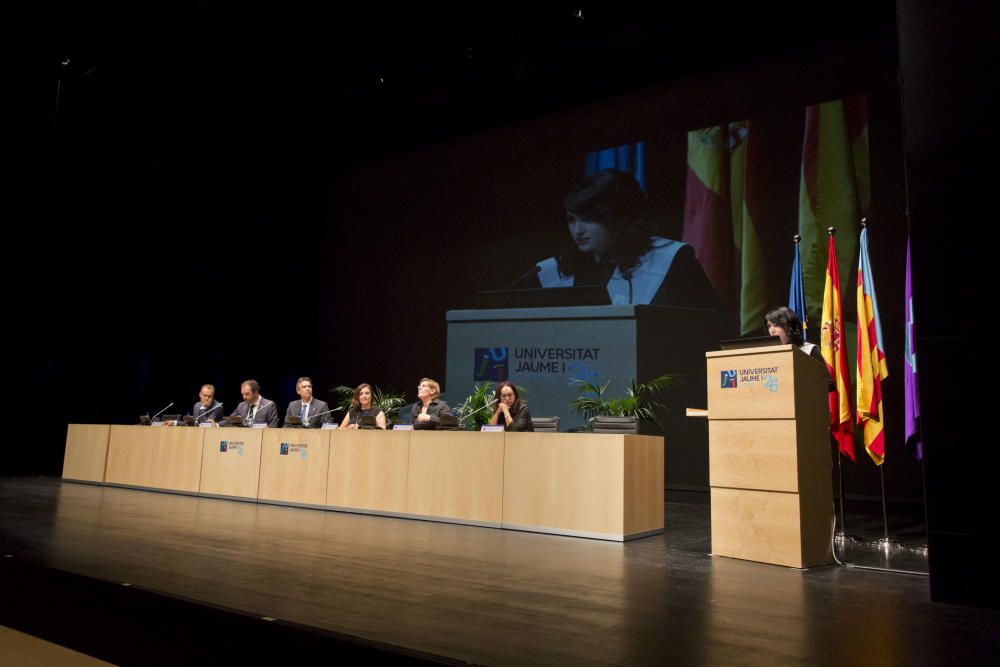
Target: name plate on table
column 157, row 423
column 492, row 428
column 329, row 426
column 206, row 425
column 259, row 426
column 402, row 427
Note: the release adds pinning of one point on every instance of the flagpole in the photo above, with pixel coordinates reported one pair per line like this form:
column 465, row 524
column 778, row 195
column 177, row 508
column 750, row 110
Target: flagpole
column 799, row 293
column 923, row 488
column 840, row 475
column 885, row 515
column 842, row 536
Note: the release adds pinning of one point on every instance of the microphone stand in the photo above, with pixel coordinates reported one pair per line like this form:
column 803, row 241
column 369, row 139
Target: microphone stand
column 197, row 420
column 488, row 405
column 153, row 418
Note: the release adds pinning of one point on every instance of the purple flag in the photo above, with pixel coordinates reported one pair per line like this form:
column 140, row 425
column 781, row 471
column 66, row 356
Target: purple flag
column 911, row 388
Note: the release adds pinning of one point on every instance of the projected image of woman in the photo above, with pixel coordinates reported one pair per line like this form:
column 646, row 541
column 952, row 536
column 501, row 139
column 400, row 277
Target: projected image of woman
column 613, row 243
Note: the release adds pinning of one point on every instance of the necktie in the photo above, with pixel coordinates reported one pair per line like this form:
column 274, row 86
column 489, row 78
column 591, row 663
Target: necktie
column 250, row 414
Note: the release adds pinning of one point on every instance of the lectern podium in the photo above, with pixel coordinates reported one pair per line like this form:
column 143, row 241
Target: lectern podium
column 769, row 456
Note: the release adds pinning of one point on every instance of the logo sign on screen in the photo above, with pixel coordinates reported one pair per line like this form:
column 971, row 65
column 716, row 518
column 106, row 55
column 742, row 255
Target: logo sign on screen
column 491, row 363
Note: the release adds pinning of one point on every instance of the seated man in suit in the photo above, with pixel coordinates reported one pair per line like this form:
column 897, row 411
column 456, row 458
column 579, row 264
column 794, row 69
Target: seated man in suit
column 307, row 406
column 207, row 409
column 255, row 409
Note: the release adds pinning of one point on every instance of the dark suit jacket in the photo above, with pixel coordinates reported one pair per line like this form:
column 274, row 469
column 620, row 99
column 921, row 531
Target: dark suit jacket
column 218, row 412
column 436, row 408
column 315, row 407
column 267, row 412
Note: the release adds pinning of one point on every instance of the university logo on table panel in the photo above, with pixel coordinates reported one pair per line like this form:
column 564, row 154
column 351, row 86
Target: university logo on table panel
column 729, row 379
column 284, row 449
column 491, row 363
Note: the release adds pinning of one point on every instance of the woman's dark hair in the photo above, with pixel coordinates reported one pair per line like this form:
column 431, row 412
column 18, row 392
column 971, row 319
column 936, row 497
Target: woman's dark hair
column 356, row 401
column 612, row 198
column 786, row 318
column 517, row 397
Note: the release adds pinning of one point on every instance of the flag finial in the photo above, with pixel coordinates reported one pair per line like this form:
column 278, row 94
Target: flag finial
column 796, row 239
column 831, row 231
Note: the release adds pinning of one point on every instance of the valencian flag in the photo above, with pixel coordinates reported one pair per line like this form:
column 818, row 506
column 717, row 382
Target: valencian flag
column 796, row 292
column 871, row 358
column 910, row 385
column 835, row 187
column 708, row 225
column 835, row 355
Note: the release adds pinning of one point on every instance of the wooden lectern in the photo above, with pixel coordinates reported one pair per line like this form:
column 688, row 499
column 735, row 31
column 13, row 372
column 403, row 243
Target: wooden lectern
column 769, row 456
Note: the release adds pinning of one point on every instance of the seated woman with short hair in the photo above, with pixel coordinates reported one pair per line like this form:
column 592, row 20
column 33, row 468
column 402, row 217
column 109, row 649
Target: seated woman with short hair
column 429, row 408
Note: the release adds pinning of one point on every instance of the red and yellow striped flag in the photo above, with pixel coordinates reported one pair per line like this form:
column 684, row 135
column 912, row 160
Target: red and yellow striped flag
column 708, row 225
column 835, row 187
column 871, row 359
column 835, row 354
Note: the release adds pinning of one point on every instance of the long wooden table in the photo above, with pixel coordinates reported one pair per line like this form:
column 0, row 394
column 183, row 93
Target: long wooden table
column 599, row 486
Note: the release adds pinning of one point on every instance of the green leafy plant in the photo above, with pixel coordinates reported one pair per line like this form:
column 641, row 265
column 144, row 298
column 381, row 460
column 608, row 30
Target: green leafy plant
column 389, row 401
column 638, row 400
column 474, row 410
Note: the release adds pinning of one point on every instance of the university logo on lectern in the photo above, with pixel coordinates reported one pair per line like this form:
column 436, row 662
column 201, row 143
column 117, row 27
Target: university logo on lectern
column 491, row 363
column 729, row 379
column 224, row 446
column 284, row 449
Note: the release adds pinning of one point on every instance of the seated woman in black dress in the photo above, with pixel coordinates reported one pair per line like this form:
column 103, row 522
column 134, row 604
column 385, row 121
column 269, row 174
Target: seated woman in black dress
column 363, row 406
column 511, row 412
column 785, row 324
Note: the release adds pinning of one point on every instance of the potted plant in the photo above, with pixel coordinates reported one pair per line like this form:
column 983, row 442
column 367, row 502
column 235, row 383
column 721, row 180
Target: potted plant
column 637, row 402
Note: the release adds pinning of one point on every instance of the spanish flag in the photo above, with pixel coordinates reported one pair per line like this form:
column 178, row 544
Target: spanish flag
column 708, row 225
column 725, row 183
column 871, row 358
column 833, row 348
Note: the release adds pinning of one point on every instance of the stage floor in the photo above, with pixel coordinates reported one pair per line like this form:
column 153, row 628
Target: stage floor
column 490, row 596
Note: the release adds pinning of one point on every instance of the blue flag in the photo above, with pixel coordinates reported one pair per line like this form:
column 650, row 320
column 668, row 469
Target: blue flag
column 629, row 158
column 797, row 292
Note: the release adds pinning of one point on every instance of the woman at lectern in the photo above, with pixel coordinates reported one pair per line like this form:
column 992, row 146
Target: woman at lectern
column 614, row 244
column 363, row 405
column 511, row 412
column 784, row 323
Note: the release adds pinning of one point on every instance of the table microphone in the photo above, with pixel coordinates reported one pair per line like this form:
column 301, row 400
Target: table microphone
column 153, row 418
